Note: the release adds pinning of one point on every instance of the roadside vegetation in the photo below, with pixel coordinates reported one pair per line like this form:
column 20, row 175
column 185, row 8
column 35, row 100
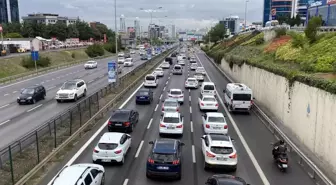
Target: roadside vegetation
column 308, row 57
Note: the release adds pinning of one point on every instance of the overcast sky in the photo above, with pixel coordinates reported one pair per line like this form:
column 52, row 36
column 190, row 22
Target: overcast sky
column 185, row 14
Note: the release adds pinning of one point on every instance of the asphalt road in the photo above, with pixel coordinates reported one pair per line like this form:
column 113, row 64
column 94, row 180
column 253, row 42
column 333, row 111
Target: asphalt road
column 251, row 141
column 17, row 120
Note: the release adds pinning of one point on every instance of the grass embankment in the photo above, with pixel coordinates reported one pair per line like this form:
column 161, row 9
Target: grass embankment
column 289, row 54
column 13, row 66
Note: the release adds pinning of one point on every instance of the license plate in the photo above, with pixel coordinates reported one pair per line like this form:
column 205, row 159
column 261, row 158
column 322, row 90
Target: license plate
column 163, row 168
column 217, row 128
column 221, row 158
column 118, row 124
column 106, row 160
column 170, row 128
column 208, row 104
column 23, row 100
column 284, row 165
column 142, row 97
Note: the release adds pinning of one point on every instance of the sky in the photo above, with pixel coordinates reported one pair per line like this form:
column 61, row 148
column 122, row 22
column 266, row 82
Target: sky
column 185, row 14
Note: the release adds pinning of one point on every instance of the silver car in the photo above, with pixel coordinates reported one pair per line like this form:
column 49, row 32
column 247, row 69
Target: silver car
column 170, row 105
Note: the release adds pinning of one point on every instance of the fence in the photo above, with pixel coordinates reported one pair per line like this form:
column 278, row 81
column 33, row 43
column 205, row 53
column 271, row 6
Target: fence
column 314, row 172
column 40, row 143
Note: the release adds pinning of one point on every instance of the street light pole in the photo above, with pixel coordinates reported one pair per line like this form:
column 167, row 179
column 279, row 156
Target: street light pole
column 115, row 26
column 246, row 1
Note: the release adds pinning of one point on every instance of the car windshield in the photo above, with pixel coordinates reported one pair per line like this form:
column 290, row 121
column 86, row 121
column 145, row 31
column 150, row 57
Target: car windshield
column 221, row 150
column 192, row 80
column 209, row 87
column 242, row 97
column 209, row 99
column 120, row 115
column 170, row 104
column 121, row 58
column 158, row 69
column 107, row 146
column 143, row 93
column 177, row 67
column 69, row 85
column 28, row 91
column 163, row 157
column 150, row 78
column 90, row 62
column 200, row 69
column 171, row 120
column 175, row 92
column 198, row 74
column 216, row 119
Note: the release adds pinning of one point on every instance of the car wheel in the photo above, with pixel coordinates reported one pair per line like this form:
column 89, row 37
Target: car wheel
column 179, row 176
column 33, row 101
column 75, row 98
column 102, row 180
column 43, row 97
column 205, row 165
column 58, row 101
column 234, row 168
column 122, row 160
column 131, row 128
column 84, row 94
column 147, row 175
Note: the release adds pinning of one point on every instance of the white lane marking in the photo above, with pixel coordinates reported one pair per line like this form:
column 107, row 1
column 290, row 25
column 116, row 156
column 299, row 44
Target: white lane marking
column 6, row 94
column 150, row 123
column 5, row 122
column 42, row 82
column 164, row 88
column 34, row 108
column 157, row 105
column 90, row 81
column 191, row 127
column 166, row 82
column 51, row 88
column 189, row 98
column 160, row 96
column 4, row 106
column 188, row 74
column 241, row 137
column 189, row 90
column 168, row 77
column 190, row 110
column 193, row 153
column 14, row 91
column 125, row 182
column 139, row 149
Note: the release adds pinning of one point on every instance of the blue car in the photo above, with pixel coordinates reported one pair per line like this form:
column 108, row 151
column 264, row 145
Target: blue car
column 144, row 96
column 165, row 159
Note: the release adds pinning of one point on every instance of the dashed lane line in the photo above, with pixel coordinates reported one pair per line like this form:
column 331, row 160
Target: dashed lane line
column 191, row 127
column 4, row 106
column 150, row 123
column 193, row 153
column 139, row 149
column 157, row 105
column 34, row 108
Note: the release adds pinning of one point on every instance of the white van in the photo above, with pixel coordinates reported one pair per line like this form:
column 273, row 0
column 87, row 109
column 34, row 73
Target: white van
column 238, row 97
column 151, row 81
column 208, row 88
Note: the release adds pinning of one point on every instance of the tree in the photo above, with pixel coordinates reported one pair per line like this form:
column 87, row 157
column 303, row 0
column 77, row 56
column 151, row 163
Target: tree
column 298, row 20
column 13, row 35
column 217, row 33
column 311, row 30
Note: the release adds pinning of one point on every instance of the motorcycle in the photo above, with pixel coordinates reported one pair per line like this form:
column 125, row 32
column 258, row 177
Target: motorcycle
column 281, row 160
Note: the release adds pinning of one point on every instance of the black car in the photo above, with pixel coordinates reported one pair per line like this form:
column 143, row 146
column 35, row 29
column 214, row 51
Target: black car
column 123, row 119
column 144, row 96
column 170, row 60
column 31, row 94
column 173, row 55
column 223, row 179
column 127, row 55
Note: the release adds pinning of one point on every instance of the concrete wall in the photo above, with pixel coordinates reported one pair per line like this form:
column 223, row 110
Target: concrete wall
column 307, row 111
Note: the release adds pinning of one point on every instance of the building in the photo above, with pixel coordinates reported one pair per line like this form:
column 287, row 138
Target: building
column 9, row 11
column 131, row 32
column 137, row 27
column 48, row 18
column 94, row 24
column 231, row 24
column 153, row 31
column 301, row 8
column 275, row 8
column 173, row 32
column 122, row 24
column 324, row 8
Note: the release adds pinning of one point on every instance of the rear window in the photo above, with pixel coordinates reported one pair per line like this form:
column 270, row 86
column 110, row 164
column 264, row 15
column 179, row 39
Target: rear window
column 158, row 69
column 184, row 58
column 209, row 87
column 120, row 115
column 143, row 93
column 242, row 97
column 177, row 67
column 163, row 157
column 216, row 119
column 209, row 99
column 107, row 146
column 171, row 120
column 192, row 80
column 121, row 58
column 221, row 150
column 175, row 92
column 170, row 104
column 150, row 78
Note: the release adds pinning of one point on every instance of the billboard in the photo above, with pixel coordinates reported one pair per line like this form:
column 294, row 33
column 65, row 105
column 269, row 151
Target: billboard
column 111, row 67
column 130, row 29
column 331, row 1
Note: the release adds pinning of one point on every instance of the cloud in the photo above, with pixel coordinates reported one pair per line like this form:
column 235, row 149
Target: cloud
column 185, row 14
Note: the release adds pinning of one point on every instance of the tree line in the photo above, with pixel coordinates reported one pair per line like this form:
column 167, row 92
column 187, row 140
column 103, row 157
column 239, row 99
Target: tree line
column 215, row 34
column 59, row 30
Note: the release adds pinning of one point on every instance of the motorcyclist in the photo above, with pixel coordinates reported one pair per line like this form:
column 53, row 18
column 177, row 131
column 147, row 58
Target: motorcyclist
column 279, row 148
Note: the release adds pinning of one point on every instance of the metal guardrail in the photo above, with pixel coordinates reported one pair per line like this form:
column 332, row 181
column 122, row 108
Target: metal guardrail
column 46, row 70
column 314, row 171
column 294, row 28
column 40, row 143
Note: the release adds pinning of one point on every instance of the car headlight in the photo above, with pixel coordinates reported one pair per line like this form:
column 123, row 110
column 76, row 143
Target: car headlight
column 71, row 94
column 29, row 98
column 18, row 98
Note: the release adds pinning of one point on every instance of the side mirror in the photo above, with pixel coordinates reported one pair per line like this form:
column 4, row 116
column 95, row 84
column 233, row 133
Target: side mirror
column 224, row 91
column 128, row 136
column 254, row 98
column 151, row 142
column 203, row 137
column 182, row 144
column 203, row 115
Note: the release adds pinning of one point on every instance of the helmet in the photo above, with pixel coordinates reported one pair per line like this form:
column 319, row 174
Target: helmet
column 282, row 142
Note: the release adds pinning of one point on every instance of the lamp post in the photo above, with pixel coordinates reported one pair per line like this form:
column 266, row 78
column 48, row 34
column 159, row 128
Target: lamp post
column 246, row 1
column 151, row 16
column 115, row 26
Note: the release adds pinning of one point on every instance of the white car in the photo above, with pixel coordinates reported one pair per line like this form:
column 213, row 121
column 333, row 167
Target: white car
column 71, row 90
column 176, row 94
column 132, row 52
column 159, row 72
column 151, row 81
column 192, row 59
column 207, row 102
column 83, row 174
column 121, row 60
column 90, row 65
column 171, row 123
column 165, row 65
column 200, row 70
column 214, row 122
column 181, row 62
column 191, row 83
column 199, row 76
column 112, row 147
column 128, row 62
column 193, row 66
column 121, row 54
column 218, row 151
column 170, row 105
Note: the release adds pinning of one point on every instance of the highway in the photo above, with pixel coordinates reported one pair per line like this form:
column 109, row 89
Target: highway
column 17, row 120
column 252, row 140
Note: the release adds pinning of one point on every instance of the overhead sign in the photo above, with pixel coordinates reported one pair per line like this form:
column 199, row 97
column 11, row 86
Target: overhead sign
column 331, row 1
column 316, row 3
column 111, row 66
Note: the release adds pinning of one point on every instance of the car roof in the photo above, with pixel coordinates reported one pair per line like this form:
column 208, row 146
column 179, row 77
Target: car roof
column 207, row 83
column 175, row 90
column 122, row 110
column 150, row 75
column 177, row 65
column 144, row 90
column 191, row 79
column 159, row 68
column 171, row 100
column 220, row 140
column 228, row 178
column 70, row 174
column 111, row 137
column 214, row 114
column 167, row 146
column 171, row 114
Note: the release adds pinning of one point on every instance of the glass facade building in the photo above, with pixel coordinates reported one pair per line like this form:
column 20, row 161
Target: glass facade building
column 3, row 11
column 282, row 7
column 326, row 9
column 14, row 10
column 9, row 11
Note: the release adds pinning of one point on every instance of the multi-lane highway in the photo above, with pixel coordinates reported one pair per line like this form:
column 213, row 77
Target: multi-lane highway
column 17, row 120
column 252, row 140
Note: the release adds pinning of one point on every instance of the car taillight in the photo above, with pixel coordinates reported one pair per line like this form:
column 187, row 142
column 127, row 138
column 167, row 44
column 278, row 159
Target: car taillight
column 179, row 126
column 151, row 161
column 233, row 156
column 110, row 123
column 207, row 126
column 283, row 160
column 177, row 109
column 176, row 162
column 162, row 108
column 162, row 125
column 202, row 104
column 181, row 96
column 210, row 155
column 118, row 151
column 126, row 124
column 225, row 126
column 216, row 105
column 95, row 151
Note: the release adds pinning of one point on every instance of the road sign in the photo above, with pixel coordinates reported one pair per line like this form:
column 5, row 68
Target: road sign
column 112, row 67
column 35, row 55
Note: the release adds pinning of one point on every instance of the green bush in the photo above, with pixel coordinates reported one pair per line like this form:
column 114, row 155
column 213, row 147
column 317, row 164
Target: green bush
column 95, row 50
column 280, row 32
column 298, row 40
column 73, row 55
column 28, row 63
column 259, row 41
column 312, row 27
